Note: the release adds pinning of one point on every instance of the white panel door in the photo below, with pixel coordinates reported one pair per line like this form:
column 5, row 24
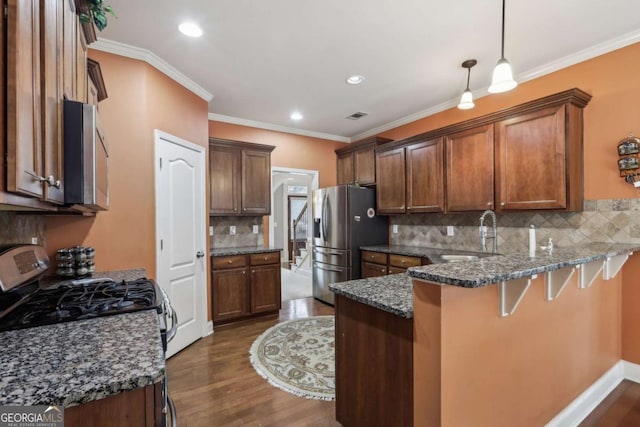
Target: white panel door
column 180, row 233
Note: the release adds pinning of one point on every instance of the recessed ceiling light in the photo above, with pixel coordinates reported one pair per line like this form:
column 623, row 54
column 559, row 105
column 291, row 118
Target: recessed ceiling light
column 296, row 116
column 190, row 29
column 355, row 79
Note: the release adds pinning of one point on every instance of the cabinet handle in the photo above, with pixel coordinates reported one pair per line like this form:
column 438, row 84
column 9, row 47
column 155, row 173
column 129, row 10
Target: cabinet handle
column 382, row 270
column 253, row 272
column 403, row 261
column 489, row 203
column 502, row 204
column 230, row 262
column 53, row 182
column 244, row 272
column 266, row 258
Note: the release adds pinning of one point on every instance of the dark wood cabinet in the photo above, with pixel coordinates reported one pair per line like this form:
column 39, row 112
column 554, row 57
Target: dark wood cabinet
column 390, row 181
column 469, row 167
column 240, row 178
column 244, row 286
column 356, row 164
column 141, row 407
column 374, row 366
column 369, row 270
column 375, row 264
column 425, row 176
column 533, row 155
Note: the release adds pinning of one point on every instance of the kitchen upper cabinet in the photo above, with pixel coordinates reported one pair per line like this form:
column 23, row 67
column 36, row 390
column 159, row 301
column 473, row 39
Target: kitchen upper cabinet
column 425, row 176
column 469, row 168
column 240, row 174
column 356, row 164
column 390, row 179
column 410, row 178
column 532, row 161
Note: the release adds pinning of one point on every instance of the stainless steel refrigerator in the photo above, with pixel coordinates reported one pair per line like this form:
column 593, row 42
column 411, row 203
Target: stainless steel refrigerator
column 344, row 218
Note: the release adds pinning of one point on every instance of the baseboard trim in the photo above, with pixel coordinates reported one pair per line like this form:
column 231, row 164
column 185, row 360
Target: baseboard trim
column 209, row 327
column 631, row 371
column 584, row 404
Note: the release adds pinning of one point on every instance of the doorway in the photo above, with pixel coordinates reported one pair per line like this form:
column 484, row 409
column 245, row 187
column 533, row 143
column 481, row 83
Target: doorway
column 181, row 263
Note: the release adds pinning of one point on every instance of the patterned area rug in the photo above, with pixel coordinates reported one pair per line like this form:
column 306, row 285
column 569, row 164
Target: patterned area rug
column 298, row 356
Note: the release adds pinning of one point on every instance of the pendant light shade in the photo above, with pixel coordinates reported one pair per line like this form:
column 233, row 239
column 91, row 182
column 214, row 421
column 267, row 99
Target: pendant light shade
column 466, row 101
column 502, row 80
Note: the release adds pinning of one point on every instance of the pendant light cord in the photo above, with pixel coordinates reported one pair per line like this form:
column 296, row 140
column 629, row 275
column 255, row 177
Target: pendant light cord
column 468, row 77
column 502, row 51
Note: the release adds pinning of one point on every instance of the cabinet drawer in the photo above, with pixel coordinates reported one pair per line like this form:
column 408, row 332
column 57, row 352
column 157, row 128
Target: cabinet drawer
column 233, row 261
column 373, row 270
column 265, row 258
column 402, row 261
column 397, row 270
column 375, row 257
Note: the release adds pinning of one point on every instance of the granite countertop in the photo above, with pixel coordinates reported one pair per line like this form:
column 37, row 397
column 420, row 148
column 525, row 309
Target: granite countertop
column 242, row 250
column 393, row 293
column 492, row 269
column 433, row 254
column 77, row 362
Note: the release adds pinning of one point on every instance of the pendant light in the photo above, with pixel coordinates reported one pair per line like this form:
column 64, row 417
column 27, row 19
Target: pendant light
column 502, row 75
column 466, row 101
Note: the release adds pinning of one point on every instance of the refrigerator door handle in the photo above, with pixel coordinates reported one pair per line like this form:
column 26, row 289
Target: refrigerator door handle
column 326, row 210
column 327, row 269
column 319, row 251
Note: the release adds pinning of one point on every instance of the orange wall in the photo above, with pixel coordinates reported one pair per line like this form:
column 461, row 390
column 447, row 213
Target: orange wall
column 292, row 151
column 140, row 100
column 614, row 111
column 520, row 370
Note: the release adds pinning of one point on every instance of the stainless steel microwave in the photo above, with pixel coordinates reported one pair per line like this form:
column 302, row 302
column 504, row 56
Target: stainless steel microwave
column 86, row 158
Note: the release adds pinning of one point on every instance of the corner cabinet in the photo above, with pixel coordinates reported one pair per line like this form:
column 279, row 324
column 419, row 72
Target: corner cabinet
column 356, row 164
column 240, row 178
column 245, row 286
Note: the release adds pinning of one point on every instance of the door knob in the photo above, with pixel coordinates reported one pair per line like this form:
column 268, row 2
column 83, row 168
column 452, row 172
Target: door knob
column 199, row 254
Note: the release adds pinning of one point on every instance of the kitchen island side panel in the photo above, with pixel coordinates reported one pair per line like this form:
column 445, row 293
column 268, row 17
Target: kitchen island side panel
column 518, row 370
column 630, row 310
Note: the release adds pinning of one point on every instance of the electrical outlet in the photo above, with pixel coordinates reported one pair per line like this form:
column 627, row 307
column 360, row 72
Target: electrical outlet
column 34, row 240
column 256, row 229
column 394, row 228
column 232, row 230
column 211, row 231
column 450, row 230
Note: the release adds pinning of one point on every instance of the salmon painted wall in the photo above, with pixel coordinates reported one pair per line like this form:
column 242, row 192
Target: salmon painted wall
column 292, row 151
column 140, row 99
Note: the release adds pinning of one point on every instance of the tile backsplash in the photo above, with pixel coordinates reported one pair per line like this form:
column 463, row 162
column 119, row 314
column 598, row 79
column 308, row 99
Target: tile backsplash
column 244, row 232
column 610, row 220
column 19, row 228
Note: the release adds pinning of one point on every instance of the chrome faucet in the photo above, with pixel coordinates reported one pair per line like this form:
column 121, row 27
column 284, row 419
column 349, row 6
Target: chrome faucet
column 494, row 231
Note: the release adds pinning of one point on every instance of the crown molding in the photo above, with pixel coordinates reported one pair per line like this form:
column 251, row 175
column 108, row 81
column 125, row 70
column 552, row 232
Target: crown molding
column 575, row 58
column 154, row 60
column 277, row 128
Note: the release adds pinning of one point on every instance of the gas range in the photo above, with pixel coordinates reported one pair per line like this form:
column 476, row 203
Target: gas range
column 71, row 300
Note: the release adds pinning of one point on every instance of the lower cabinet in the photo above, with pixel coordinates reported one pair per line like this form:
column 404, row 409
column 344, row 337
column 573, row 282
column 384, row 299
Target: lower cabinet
column 245, row 285
column 141, row 407
column 374, row 366
column 375, row 264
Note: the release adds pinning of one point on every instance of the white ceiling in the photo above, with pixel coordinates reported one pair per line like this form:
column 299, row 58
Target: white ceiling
column 264, row 59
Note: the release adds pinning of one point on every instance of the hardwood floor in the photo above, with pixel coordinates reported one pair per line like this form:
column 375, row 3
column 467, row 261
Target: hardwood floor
column 620, row 409
column 213, row 383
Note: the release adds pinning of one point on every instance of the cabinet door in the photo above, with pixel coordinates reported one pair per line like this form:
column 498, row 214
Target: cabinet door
column 69, row 51
column 52, row 20
column 345, row 168
column 24, row 137
column 469, row 185
column 425, row 176
column 364, row 162
column 230, row 294
column 370, row 269
column 224, row 175
column 530, row 161
column 256, row 182
column 265, row 288
column 81, row 66
column 390, row 181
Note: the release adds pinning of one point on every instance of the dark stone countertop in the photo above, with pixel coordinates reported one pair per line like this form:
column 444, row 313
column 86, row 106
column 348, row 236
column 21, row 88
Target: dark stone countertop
column 492, row 269
column 242, row 250
column 393, row 293
column 432, row 254
column 77, row 362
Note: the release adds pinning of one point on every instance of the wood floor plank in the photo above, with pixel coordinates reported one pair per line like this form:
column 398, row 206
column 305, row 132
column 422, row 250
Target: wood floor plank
column 213, row 383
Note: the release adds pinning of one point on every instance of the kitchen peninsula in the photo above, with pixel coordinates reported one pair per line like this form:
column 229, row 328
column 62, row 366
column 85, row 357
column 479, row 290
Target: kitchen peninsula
column 512, row 339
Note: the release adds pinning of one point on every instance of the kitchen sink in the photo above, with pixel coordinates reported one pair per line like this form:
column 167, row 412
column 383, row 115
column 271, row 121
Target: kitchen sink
column 459, row 258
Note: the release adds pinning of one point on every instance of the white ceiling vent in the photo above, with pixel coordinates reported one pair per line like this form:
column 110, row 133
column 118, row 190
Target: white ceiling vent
column 356, row 116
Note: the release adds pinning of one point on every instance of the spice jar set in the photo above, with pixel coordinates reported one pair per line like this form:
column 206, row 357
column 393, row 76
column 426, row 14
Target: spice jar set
column 75, row 262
